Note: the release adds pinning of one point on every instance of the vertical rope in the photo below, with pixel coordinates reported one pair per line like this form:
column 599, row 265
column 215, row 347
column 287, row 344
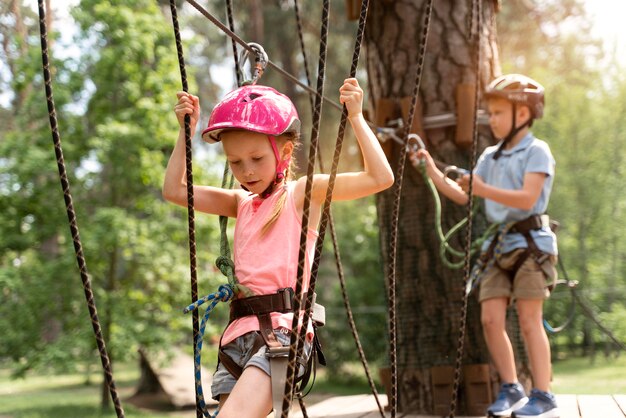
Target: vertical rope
column 477, row 13
column 331, row 223
column 297, row 300
column 305, row 61
column 326, row 218
column 231, row 26
column 71, row 215
column 190, row 197
column 396, row 209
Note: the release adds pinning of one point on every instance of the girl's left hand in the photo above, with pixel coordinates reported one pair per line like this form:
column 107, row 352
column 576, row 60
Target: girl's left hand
column 351, row 95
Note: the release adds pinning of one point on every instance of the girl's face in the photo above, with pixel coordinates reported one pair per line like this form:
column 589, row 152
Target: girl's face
column 501, row 116
column 252, row 159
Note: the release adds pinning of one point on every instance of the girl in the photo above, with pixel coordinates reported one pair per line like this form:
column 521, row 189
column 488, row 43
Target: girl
column 259, row 129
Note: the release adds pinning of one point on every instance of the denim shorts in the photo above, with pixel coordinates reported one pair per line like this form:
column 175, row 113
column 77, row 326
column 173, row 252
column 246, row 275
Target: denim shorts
column 240, row 350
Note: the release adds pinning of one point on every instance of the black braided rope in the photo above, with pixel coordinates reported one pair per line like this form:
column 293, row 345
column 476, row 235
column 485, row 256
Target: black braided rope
column 476, row 14
column 71, row 215
column 231, row 26
column 305, row 60
column 335, row 242
column 397, row 190
column 327, row 217
column 190, row 197
column 296, row 340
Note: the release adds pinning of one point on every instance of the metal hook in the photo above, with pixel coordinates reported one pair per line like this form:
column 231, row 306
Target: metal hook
column 260, row 62
column 415, row 143
column 460, row 172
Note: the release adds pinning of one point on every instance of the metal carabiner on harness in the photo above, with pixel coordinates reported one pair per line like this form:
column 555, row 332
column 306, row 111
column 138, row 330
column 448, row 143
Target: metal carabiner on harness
column 260, row 62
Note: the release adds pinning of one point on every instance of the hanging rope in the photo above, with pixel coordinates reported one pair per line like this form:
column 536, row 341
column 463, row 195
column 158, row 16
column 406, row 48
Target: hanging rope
column 190, row 200
column 71, row 215
column 231, row 26
column 327, row 217
column 296, row 340
column 477, row 9
column 397, row 190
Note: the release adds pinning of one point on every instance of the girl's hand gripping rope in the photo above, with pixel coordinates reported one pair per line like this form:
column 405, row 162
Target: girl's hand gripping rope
column 187, row 104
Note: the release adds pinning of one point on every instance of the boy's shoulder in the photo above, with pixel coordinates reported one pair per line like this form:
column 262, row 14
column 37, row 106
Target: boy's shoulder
column 539, row 145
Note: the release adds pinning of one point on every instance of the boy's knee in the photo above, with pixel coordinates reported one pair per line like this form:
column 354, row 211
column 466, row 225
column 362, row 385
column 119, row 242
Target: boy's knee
column 490, row 321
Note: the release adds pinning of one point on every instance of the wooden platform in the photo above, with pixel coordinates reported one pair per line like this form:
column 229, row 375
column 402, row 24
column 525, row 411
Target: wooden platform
column 571, row 406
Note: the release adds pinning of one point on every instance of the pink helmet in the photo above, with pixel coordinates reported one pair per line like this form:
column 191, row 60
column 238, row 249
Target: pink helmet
column 254, row 108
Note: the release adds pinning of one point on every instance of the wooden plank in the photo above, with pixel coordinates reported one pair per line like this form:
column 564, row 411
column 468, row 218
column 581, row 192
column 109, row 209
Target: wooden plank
column 595, row 406
column 620, row 400
column 355, row 406
column 568, row 406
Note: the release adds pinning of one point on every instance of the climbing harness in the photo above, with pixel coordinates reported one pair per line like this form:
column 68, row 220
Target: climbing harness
column 71, row 214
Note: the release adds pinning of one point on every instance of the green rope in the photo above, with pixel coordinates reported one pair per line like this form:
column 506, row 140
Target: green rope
column 446, row 251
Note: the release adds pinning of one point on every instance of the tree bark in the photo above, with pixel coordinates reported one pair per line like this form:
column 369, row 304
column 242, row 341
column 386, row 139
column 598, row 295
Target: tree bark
column 429, row 295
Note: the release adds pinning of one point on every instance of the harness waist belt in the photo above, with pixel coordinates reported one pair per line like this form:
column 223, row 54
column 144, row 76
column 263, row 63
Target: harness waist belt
column 280, row 301
column 530, row 223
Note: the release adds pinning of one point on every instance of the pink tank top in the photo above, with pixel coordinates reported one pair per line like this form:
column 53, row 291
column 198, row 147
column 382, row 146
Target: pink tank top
column 267, row 263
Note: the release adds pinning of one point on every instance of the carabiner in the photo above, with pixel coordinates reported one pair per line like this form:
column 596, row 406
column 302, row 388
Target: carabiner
column 417, row 143
column 460, row 172
column 260, row 62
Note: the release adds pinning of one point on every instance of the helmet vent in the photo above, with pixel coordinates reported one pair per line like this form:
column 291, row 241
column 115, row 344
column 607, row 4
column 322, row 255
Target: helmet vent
column 250, row 97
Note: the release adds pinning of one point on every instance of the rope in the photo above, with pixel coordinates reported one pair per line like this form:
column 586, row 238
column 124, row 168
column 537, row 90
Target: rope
column 445, row 249
column 71, row 215
column 587, row 310
column 296, row 341
column 327, row 217
column 224, row 294
column 190, row 197
column 397, row 189
column 476, row 7
column 231, row 26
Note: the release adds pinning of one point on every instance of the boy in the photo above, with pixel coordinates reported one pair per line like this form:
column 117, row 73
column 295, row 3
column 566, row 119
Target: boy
column 515, row 178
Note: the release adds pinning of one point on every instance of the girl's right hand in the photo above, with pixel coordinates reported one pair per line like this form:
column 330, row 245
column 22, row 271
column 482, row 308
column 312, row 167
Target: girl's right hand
column 188, row 104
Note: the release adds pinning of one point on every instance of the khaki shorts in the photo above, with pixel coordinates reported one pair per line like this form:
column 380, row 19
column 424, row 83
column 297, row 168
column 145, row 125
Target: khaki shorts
column 530, row 281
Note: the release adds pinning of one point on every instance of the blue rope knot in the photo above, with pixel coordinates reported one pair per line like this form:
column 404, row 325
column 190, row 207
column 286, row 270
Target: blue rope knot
column 225, row 264
column 225, row 292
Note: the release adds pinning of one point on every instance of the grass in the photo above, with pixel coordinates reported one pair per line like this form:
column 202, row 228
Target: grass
column 580, row 376
column 67, row 396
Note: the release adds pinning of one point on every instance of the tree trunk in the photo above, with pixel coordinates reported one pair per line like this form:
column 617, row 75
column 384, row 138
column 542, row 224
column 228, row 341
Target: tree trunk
column 429, row 295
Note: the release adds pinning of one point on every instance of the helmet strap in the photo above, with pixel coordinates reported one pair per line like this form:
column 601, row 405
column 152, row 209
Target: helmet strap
column 281, row 166
column 514, row 131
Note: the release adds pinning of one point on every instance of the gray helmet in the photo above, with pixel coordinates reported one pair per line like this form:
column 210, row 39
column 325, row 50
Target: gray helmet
column 520, row 89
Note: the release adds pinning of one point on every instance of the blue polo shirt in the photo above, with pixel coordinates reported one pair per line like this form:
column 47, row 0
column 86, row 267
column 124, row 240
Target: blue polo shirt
column 530, row 155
